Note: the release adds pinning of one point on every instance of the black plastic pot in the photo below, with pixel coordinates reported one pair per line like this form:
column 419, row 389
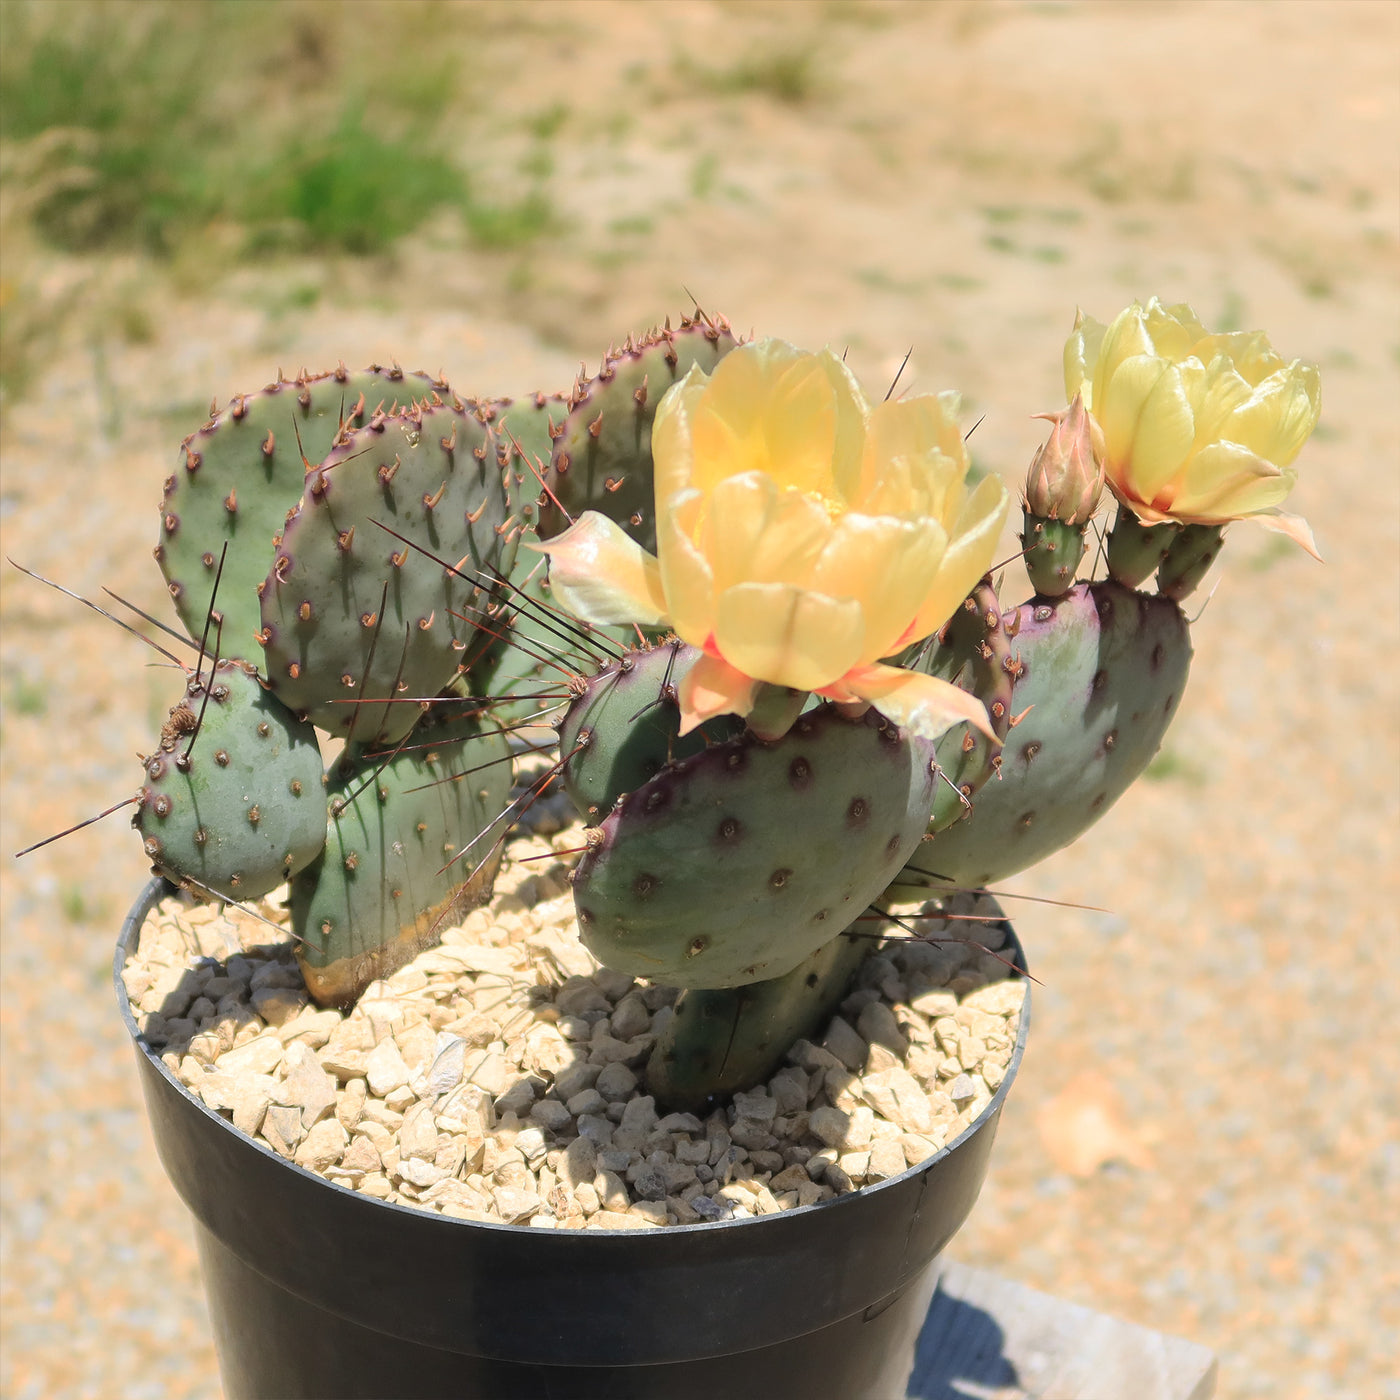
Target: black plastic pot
column 316, row 1290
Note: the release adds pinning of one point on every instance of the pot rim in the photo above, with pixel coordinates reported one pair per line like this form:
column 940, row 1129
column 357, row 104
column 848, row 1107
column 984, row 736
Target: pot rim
column 158, row 888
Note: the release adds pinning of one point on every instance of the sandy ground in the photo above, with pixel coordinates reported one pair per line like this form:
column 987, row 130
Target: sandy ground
column 1204, row 1135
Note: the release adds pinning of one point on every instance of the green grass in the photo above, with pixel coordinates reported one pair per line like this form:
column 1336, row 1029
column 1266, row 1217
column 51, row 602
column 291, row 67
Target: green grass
column 703, row 175
column 787, row 75
column 74, row 904
column 160, row 119
column 26, row 697
column 354, row 189
column 1168, row 765
column 1274, row 550
column 1231, row 317
column 513, row 223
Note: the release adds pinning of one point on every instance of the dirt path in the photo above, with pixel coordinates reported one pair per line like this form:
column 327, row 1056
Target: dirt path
column 1203, row 1136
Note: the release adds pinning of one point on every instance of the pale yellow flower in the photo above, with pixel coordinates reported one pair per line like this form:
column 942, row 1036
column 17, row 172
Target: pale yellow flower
column 802, row 535
column 1197, row 428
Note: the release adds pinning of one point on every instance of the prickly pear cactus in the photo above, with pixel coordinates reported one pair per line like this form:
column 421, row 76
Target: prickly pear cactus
column 722, row 1040
column 233, row 803
column 366, row 533
column 623, row 728
column 974, row 652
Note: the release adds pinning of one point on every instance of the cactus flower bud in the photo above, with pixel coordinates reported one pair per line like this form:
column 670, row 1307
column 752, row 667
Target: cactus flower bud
column 802, row 535
column 1066, row 475
column 1198, row 428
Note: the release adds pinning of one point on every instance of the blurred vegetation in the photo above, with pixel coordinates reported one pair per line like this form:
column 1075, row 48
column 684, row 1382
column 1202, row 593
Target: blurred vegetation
column 208, row 132
column 158, row 117
column 791, row 74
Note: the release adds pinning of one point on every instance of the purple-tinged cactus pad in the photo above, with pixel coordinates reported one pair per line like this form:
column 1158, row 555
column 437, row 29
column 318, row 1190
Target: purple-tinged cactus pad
column 735, row 864
column 973, row 651
column 1099, row 673
column 623, row 729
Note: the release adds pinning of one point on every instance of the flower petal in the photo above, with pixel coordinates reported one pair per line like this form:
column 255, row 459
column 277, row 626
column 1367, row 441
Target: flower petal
column 1081, row 355
column 800, row 428
column 713, row 687
column 852, row 416
column 672, row 445
column 1215, row 395
column 602, row 574
column 755, row 533
column 1224, row 481
column 768, row 407
column 1280, row 415
column 1175, row 330
column 1148, row 424
column 686, row 577
column 920, row 427
column 1294, row 526
column 789, row 636
column 971, row 547
column 885, row 563
column 1125, row 339
column 1249, row 352
column 923, row 704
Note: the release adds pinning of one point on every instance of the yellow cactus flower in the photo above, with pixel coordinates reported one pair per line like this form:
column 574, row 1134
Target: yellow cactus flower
column 1198, row 428
column 802, row 535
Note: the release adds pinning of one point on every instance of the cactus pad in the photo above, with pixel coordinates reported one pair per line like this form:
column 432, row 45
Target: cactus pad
column 234, row 802
column 1103, row 669
column 723, row 1039
column 602, row 458
column 357, row 622
column 972, row 651
column 243, row 471
column 735, row 864
column 623, row 729
column 1053, row 551
column 380, row 893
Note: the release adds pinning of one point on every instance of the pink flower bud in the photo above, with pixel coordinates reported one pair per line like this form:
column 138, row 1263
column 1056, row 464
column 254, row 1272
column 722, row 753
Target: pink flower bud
column 1066, row 475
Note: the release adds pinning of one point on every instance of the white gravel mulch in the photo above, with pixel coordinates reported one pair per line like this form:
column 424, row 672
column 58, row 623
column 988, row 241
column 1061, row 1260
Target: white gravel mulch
column 499, row 1076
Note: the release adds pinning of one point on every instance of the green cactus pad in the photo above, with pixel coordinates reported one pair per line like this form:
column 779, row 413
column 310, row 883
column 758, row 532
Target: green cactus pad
column 1103, row 669
column 624, row 728
column 602, row 459
column 234, row 802
column 1188, row 560
column 356, row 622
column 539, row 649
column 1135, row 550
column 527, row 426
column 379, row 894
column 724, row 1039
column 735, row 864
column 243, row 471
column 1053, row 551
column 524, row 431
